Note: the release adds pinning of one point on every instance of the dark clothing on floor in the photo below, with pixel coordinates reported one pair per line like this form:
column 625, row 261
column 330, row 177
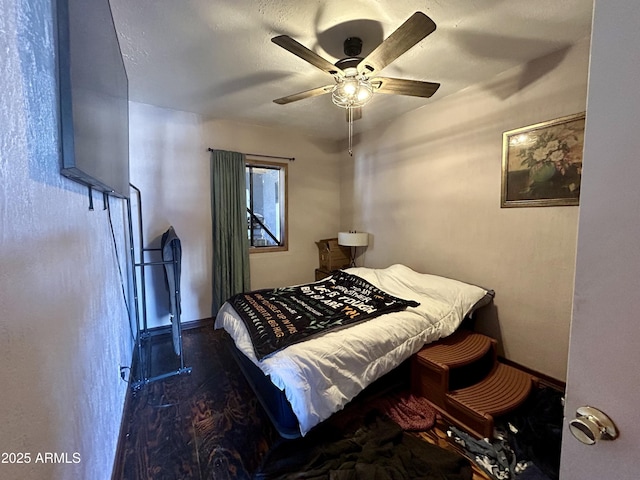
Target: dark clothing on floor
column 379, row 450
column 526, row 443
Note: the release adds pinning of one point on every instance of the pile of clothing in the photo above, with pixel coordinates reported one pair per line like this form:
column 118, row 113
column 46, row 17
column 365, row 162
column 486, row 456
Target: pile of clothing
column 379, row 449
column 526, row 443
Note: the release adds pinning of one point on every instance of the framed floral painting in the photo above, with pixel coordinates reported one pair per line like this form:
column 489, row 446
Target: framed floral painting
column 542, row 163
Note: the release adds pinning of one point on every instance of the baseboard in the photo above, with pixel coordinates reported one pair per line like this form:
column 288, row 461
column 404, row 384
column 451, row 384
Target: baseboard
column 203, row 322
column 165, row 329
column 543, row 379
column 118, row 461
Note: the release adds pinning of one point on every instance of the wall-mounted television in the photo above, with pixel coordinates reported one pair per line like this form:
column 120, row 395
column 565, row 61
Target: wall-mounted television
column 93, row 94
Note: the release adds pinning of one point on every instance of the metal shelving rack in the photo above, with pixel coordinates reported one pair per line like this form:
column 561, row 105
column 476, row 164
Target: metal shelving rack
column 144, row 336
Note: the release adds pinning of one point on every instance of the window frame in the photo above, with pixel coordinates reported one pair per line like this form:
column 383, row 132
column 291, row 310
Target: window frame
column 284, row 210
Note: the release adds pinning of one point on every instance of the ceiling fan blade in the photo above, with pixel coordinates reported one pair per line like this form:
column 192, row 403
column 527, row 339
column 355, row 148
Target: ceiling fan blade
column 356, row 113
column 399, row 86
column 307, row 55
column 417, row 27
column 306, row 94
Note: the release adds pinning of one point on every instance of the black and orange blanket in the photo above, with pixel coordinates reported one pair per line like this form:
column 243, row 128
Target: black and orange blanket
column 277, row 318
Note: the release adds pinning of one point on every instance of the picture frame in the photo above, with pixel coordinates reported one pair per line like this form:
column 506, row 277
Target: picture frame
column 542, row 163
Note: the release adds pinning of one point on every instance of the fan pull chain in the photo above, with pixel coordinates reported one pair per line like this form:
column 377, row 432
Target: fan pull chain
column 350, row 122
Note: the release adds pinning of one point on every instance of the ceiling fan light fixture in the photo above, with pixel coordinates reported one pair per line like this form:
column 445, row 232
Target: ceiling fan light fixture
column 353, row 88
column 350, row 87
column 352, row 92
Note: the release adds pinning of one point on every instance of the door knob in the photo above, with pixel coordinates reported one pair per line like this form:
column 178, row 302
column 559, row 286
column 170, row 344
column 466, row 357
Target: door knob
column 591, row 425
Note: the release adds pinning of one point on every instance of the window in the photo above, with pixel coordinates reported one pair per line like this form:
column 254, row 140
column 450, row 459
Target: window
column 266, row 206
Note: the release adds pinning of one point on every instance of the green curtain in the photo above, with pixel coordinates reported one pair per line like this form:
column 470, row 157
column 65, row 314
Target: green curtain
column 229, row 222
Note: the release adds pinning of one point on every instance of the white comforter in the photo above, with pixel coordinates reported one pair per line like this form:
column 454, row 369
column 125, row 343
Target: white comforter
column 319, row 376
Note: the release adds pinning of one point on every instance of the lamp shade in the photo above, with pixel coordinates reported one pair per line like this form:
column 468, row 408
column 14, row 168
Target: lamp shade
column 353, row 239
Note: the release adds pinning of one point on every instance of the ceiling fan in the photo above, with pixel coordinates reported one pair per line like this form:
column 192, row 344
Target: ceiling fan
column 355, row 78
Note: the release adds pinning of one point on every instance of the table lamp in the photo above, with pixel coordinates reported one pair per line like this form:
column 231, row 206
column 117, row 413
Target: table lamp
column 354, row 240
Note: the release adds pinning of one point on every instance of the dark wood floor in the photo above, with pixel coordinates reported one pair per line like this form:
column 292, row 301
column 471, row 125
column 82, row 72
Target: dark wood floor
column 204, row 425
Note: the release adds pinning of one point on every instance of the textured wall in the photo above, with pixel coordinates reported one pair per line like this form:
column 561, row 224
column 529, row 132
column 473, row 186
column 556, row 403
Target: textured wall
column 427, row 187
column 63, row 324
column 170, row 165
column 313, row 202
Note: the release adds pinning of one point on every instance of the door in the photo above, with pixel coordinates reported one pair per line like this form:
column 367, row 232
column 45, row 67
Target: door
column 604, row 349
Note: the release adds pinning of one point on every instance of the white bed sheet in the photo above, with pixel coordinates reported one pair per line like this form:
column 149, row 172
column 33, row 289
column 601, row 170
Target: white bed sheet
column 319, row 376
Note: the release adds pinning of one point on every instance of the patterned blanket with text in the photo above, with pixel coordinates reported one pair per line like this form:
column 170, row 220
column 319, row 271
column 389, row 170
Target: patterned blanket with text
column 277, row 318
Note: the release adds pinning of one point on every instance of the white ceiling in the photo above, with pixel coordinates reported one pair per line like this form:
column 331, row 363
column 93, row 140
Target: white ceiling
column 215, row 57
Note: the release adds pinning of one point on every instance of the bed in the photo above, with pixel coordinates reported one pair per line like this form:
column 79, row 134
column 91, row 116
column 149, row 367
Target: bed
column 304, row 383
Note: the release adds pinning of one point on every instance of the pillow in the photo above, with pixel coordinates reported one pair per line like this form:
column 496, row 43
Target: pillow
column 403, row 282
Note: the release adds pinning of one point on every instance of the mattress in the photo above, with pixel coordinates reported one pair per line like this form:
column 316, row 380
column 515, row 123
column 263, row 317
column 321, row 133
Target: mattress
column 320, row 375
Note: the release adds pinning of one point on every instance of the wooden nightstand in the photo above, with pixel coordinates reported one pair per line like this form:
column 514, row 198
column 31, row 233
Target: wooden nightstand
column 320, row 274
